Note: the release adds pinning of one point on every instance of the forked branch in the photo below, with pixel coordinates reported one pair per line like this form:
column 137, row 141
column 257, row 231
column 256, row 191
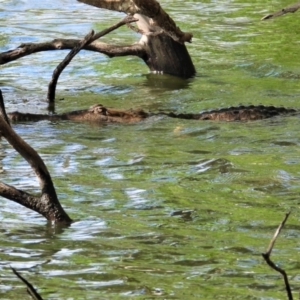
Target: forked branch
column 267, row 257
column 47, row 204
column 30, row 289
column 162, row 45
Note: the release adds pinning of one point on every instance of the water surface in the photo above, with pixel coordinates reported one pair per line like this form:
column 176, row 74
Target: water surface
column 163, row 209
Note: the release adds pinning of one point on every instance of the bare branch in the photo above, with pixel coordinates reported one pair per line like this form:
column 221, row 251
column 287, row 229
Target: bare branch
column 289, row 9
column 267, row 257
column 126, row 6
column 126, row 20
column 148, row 8
column 272, row 242
column 30, row 289
column 2, row 109
column 68, row 44
column 18, row 196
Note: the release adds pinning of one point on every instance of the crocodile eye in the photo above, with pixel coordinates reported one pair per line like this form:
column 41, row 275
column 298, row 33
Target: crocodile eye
column 100, row 110
column 91, row 108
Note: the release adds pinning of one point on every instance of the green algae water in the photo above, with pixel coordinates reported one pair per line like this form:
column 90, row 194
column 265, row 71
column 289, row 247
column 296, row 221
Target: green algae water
column 165, row 208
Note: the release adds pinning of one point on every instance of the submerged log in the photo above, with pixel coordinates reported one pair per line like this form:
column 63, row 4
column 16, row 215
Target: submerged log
column 164, row 55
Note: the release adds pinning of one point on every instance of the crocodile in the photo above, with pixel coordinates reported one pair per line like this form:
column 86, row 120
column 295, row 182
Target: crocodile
column 102, row 114
column 96, row 113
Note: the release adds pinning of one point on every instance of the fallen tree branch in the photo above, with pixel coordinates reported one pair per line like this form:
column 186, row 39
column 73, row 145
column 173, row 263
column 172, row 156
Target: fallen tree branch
column 267, row 258
column 68, row 44
column 163, row 41
column 289, row 9
column 30, row 289
column 47, row 204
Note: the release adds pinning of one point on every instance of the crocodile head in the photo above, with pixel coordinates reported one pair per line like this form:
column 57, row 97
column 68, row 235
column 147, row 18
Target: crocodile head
column 100, row 113
column 119, row 115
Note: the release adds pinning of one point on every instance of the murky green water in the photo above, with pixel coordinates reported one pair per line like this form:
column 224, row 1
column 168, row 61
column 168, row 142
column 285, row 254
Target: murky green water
column 126, row 185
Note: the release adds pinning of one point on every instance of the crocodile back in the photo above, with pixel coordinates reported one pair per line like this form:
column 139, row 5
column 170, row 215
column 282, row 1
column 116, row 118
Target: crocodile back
column 23, row 117
column 99, row 113
column 238, row 113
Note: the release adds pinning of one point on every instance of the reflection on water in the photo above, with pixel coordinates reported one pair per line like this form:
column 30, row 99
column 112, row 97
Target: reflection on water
column 171, row 209
column 166, row 82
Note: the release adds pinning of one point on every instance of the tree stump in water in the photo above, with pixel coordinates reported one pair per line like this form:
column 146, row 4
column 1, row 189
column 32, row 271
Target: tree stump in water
column 164, row 55
column 162, row 40
column 162, row 45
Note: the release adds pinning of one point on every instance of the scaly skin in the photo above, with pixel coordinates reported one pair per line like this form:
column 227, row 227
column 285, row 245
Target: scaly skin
column 96, row 113
column 101, row 114
column 238, row 113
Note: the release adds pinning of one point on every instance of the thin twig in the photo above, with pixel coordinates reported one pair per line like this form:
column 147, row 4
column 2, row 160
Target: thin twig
column 268, row 260
column 30, row 289
column 128, row 19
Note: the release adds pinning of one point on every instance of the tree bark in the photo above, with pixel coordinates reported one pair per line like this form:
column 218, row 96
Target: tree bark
column 174, row 62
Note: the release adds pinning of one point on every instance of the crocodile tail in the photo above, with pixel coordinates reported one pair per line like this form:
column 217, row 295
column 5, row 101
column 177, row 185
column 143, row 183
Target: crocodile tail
column 22, row 117
column 238, row 113
column 182, row 116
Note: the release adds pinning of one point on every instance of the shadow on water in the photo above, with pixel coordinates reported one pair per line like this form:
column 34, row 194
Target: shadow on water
column 166, row 82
